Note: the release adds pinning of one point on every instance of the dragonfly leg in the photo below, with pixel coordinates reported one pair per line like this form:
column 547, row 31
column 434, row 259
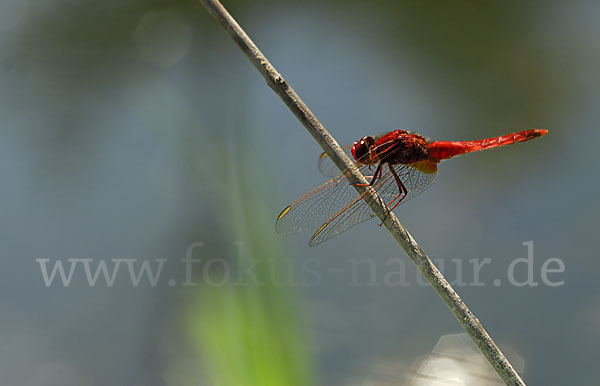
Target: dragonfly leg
column 403, row 192
column 374, row 178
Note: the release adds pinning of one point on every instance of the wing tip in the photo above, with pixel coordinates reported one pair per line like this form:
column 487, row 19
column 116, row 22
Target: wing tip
column 313, row 241
column 283, row 213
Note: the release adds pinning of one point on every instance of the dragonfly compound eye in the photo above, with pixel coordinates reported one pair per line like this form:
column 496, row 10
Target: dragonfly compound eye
column 360, row 149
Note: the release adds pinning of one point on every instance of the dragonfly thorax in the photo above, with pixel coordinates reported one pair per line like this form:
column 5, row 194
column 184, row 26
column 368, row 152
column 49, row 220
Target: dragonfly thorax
column 395, row 147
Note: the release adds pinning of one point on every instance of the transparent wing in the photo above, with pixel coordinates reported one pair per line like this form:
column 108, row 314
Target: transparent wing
column 358, row 210
column 326, row 165
column 316, row 206
column 336, row 206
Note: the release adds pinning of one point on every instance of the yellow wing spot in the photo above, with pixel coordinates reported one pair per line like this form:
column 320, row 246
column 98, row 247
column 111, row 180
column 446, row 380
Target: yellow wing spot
column 283, row 213
column 323, row 155
column 319, row 230
column 426, row 167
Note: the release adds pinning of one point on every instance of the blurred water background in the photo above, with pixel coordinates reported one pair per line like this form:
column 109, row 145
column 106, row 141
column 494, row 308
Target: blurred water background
column 138, row 130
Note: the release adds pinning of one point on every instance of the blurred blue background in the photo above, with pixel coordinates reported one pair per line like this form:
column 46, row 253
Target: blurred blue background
column 131, row 130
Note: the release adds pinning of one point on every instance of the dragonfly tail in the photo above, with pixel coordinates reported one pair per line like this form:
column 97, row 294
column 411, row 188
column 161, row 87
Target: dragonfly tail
column 441, row 150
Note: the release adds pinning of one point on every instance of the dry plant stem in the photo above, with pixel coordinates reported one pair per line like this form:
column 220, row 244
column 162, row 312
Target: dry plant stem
column 469, row 322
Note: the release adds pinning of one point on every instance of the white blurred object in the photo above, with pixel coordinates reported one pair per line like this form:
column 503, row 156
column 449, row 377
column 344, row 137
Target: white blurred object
column 454, row 361
column 163, row 38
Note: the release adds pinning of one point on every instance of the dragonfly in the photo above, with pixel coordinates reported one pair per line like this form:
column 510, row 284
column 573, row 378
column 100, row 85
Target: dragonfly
column 398, row 165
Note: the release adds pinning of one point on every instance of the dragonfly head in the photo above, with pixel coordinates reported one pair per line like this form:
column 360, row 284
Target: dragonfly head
column 362, row 148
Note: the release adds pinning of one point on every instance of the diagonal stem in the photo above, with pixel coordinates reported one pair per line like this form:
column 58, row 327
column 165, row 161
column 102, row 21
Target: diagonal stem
column 462, row 313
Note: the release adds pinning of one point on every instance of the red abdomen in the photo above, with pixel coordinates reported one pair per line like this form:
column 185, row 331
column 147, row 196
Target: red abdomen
column 441, row 150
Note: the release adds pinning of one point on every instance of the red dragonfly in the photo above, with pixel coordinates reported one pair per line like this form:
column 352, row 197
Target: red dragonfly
column 399, row 165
